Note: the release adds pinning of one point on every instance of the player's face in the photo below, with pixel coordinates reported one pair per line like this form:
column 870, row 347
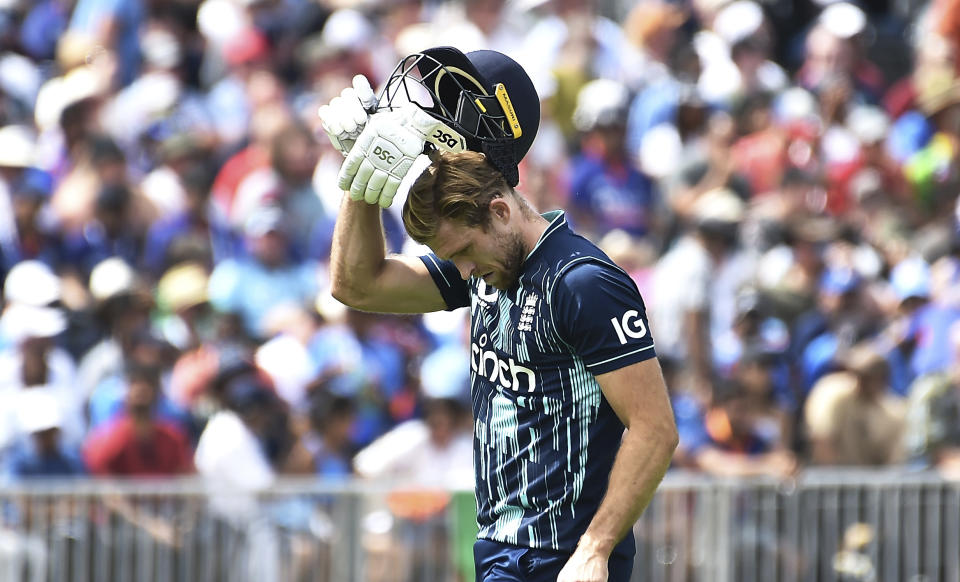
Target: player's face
column 494, row 254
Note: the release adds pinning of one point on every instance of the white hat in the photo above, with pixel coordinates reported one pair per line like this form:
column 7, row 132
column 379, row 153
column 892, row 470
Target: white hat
column 20, row 77
column 601, row 102
column 911, row 278
column 31, row 283
column 868, row 123
column 38, row 410
column 111, row 277
column 221, row 20
column 719, row 205
column 738, row 21
column 17, row 144
column 346, row 29
column 21, row 322
column 60, row 92
column 843, row 20
column 795, row 104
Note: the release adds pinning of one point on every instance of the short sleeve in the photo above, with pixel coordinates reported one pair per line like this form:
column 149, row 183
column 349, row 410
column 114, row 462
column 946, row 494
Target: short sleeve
column 597, row 310
column 445, row 275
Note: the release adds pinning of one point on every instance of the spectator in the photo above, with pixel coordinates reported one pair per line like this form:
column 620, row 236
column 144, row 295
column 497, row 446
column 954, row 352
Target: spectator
column 682, row 286
column 199, row 233
column 933, row 416
column 265, row 124
column 931, row 323
column 434, row 452
column 268, row 277
column 33, row 362
column 851, row 417
column 840, row 320
column 121, row 310
column 231, row 455
column 653, row 29
column 184, row 312
column 164, row 203
column 38, row 415
column 736, row 442
column 329, row 441
column 137, row 443
column 608, row 192
column 24, row 191
column 834, row 58
column 287, row 185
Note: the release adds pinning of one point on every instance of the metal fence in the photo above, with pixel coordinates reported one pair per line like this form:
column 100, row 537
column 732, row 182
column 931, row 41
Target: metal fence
column 823, row 526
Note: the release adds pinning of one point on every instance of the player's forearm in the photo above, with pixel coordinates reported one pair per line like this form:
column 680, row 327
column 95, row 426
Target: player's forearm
column 358, row 252
column 640, row 465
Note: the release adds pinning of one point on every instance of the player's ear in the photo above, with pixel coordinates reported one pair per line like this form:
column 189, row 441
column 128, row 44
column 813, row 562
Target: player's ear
column 500, row 209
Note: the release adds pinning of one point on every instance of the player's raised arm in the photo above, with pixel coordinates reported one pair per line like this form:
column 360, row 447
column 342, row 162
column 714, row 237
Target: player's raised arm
column 363, row 277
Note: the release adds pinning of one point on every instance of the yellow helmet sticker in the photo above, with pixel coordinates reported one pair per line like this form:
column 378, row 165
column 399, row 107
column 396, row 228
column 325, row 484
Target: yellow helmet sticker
column 501, row 92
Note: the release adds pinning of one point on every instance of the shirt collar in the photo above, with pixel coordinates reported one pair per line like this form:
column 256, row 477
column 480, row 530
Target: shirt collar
column 558, row 220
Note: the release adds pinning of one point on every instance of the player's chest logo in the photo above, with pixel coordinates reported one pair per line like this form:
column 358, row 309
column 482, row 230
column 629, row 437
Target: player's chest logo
column 527, row 312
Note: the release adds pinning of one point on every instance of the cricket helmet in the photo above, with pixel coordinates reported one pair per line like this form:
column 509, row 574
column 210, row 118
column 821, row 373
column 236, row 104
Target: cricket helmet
column 484, row 96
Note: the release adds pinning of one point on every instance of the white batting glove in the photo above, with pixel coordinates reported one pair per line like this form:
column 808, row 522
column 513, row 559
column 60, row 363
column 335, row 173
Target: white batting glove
column 386, row 150
column 346, row 115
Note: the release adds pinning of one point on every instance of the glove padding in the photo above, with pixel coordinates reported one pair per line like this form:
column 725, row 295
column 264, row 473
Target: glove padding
column 346, row 115
column 384, row 153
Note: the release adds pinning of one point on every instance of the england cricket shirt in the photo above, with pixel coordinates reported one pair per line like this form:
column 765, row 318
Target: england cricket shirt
column 544, row 436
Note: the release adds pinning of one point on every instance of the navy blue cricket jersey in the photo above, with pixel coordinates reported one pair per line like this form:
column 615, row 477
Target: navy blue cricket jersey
column 544, row 436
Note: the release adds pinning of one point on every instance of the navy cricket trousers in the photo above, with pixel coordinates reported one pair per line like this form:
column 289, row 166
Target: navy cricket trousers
column 498, row 562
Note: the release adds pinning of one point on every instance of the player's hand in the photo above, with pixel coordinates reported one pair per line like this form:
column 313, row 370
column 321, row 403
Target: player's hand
column 346, row 115
column 585, row 566
column 384, row 153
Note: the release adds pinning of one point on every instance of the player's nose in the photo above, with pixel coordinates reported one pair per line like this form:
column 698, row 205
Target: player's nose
column 466, row 269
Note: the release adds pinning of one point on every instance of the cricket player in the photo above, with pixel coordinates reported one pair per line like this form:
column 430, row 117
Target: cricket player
column 573, row 429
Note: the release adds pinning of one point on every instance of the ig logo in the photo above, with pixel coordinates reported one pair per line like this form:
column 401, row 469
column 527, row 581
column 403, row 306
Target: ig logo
column 630, row 324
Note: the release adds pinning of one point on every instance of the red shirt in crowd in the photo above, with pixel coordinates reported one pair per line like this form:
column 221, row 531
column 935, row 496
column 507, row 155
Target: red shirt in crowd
column 117, row 450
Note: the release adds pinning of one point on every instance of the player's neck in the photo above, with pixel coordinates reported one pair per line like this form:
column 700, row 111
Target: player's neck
column 533, row 227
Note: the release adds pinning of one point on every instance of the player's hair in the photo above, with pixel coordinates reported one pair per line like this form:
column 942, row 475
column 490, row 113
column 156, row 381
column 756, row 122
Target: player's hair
column 457, row 187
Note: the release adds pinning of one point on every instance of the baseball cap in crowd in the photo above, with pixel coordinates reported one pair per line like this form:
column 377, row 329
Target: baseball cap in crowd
column 796, row 105
column 839, row 280
column 346, row 30
column 16, row 146
column 601, row 103
column 21, row 322
column 263, row 220
column 31, row 283
column 110, row 278
column 738, row 21
column 718, row 206
column 911, row 278
column 484, row 96
column 869, row 124
column 843, row 20
column 38, row 410
column 182, row 286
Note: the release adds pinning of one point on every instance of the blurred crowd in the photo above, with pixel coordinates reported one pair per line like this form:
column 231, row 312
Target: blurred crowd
column 780, row 178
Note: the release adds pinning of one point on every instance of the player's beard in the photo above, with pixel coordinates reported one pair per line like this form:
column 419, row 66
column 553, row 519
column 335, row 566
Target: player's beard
column 513, row 252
